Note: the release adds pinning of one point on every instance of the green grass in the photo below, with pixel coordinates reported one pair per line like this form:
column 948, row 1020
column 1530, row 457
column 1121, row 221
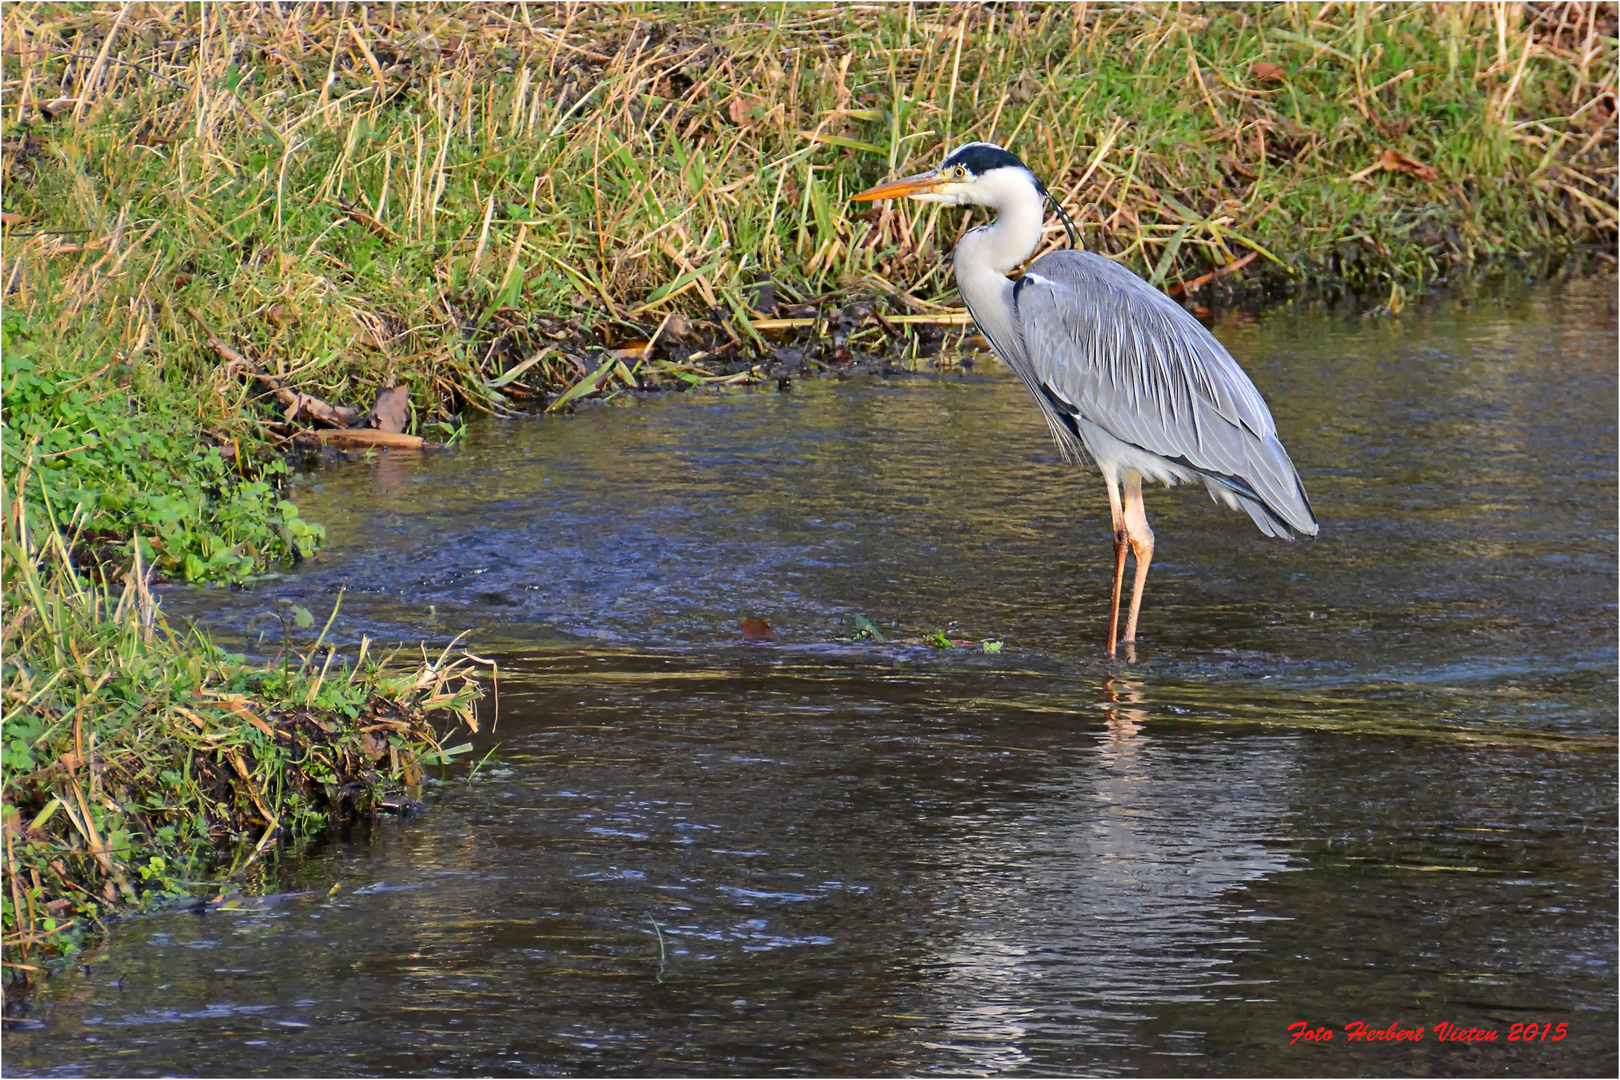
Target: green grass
column 129, row 476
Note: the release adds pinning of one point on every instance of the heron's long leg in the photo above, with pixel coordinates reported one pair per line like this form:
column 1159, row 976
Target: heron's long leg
column 1121, row 540
column 1140, row 538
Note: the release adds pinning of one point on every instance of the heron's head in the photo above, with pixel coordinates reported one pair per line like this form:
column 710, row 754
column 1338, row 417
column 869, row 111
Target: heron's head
column 978, row 174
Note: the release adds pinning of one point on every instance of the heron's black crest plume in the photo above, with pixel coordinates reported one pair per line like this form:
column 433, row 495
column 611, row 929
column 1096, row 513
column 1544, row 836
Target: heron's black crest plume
column 981, row 157
column 1063, row 216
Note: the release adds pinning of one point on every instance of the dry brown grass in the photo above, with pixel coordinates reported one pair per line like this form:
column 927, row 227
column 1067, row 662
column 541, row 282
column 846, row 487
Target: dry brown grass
column 446, row 192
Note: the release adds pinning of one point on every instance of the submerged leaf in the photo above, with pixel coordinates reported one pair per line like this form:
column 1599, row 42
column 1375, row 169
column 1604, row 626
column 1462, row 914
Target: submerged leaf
column 757, row 630
column 866, row 629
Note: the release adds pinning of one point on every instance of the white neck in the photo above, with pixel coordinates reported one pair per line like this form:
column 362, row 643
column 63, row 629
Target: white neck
column 986, row 255
column 1020, row 210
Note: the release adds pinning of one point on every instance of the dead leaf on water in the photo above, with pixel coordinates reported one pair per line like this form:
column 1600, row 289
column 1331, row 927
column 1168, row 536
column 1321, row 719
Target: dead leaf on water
column 757, row 630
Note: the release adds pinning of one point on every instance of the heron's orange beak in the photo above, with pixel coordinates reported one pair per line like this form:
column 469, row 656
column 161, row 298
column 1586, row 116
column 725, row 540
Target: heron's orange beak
column 920, row 184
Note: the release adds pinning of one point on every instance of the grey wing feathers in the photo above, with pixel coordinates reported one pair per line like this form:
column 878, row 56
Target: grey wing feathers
column 1133, row 362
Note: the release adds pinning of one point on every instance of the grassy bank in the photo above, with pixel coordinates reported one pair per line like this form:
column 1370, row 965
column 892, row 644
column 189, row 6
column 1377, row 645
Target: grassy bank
column 138, row 763
column 228, row 226
column 142, row 764
column 478, row 200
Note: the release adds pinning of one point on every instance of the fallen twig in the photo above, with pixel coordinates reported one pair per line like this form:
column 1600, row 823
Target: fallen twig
column 1219, row 272
column 360, row 216
column 337, row 416
column 372, row 437
column 1395, row 161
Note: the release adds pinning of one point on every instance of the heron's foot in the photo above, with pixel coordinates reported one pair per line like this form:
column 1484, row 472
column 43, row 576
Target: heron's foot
column 1125, row 650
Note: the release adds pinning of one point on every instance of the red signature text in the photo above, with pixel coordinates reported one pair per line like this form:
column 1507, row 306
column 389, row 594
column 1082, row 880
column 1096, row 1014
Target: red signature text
column 1445, row 1031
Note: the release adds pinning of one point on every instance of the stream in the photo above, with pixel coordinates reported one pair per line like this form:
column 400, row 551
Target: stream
column 1367, row 778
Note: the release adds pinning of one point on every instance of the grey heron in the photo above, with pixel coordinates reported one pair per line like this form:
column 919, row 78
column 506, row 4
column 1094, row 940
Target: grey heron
column 1121, row 372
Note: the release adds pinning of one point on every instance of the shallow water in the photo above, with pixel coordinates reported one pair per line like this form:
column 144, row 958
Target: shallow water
column 1365, row 778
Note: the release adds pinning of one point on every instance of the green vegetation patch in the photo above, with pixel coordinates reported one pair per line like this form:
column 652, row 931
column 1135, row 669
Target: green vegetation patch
column 138, row 763
column 125, row 476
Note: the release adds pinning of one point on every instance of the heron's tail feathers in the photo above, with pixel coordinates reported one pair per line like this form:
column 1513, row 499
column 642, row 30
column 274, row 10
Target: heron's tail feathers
column 1269, row 522
column 1291, row 519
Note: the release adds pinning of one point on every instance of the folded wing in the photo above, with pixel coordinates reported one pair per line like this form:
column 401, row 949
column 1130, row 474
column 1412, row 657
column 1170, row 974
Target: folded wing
column 1101, row 344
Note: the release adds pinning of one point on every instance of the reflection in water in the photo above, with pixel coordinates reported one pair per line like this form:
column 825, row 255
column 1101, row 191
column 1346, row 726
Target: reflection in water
column 1369, row 777
column 1112, row 895
column 1123, row 723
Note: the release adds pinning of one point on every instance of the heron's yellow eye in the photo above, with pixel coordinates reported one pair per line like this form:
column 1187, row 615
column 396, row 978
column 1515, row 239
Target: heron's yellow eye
column 960, row 172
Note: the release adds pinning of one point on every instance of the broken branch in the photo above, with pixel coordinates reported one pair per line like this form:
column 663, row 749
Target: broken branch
column 298, row 404
column 1219, row 272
